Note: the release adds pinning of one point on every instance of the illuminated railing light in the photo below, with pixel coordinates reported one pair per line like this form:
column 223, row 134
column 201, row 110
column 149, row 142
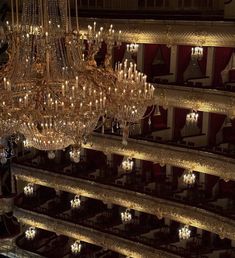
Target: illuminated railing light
column 132, row 48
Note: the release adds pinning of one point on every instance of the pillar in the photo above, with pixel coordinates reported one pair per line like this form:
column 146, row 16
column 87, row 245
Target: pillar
column 140, row 58
column 173, row 62
column 210, row 64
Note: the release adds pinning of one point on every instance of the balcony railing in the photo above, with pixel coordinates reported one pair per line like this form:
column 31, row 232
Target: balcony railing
column 87, row 232
column 223, row 226
column 213, row 101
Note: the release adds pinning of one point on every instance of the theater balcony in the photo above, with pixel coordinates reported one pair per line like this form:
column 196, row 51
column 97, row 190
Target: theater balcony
column 100, row 224
column 159, row 197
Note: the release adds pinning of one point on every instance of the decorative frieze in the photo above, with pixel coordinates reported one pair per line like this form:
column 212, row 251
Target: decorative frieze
column 90, row 235
column 206, row 100
column 203, row 33
column 185, row 214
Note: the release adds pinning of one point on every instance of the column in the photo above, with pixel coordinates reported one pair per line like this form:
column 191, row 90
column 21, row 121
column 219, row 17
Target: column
column 13, row 186
column 173, row 63
column 83, row 154
column 205, row 125
column 210, row 64
column 169, row 172
column 170, row 122
column 109, row 158
column 140, row 58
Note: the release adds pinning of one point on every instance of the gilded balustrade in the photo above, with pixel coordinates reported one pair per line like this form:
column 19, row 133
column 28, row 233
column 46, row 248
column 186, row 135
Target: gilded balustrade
column 89, row 235
column 186, row 214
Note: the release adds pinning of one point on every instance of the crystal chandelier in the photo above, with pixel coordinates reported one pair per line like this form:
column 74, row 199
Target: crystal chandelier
column 192, row 118
column 126, row 216
column 131, row 94
column 29, row 190
column 189, row 177
column 76, row 202
column 184, row 233
column 57, row 94
column 76, row 247
column 132, row 48
column 197, row 53
column 127, row 164
column 30, row 233
column 53, row 92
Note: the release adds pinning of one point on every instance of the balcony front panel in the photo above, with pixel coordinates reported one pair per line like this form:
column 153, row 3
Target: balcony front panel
column 186, row 214
column 205, row 100
column 89, row 235
column 162, row 154
column 170, row 33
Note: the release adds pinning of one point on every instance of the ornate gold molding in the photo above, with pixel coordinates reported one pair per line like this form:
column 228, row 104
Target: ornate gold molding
column 6, row 205
column 196, row 160
column 89, row 235
column 186, row 214
column 204, row 33
column 205, row 100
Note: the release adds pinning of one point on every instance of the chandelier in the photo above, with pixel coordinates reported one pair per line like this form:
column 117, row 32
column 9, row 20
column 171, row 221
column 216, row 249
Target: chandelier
column 76, row 202
column 184, row 233
column 30, row 233
column 127, row 164
column 189, row 177
column 132, row 48
column 192, row 117
column 53, row 92
column 76, row 247
column 131, row 94
column 197, row 53
column 29, row 190
column 126, row 216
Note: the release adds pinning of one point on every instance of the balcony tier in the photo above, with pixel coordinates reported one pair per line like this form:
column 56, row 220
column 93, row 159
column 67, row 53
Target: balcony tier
column 197, row 217
column 197, row 160
column 89, row 235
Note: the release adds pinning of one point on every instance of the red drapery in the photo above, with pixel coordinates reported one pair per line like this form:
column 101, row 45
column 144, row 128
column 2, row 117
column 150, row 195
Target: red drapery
column 184, row 56
column 222, row 57
column 216, row 121
column 150, row 52
column 119, row 52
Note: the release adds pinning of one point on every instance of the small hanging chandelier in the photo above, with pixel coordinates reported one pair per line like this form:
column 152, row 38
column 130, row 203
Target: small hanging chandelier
column 184, row 233
column 76, row 247
column 76, row 202
column 132, row 48
column 126, row 216
column 192, row 117
column 29, row 190
column 189, row 177
column 127, row 164
column 30, row 233
column 197, row 53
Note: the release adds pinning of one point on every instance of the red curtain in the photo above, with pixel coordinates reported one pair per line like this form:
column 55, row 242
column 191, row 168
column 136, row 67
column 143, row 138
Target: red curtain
column 229, row 133
column 179, row 121
column 150, row 52
column 222, row 57
column 184, row 54
column 216, row 121
column 119, row 53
